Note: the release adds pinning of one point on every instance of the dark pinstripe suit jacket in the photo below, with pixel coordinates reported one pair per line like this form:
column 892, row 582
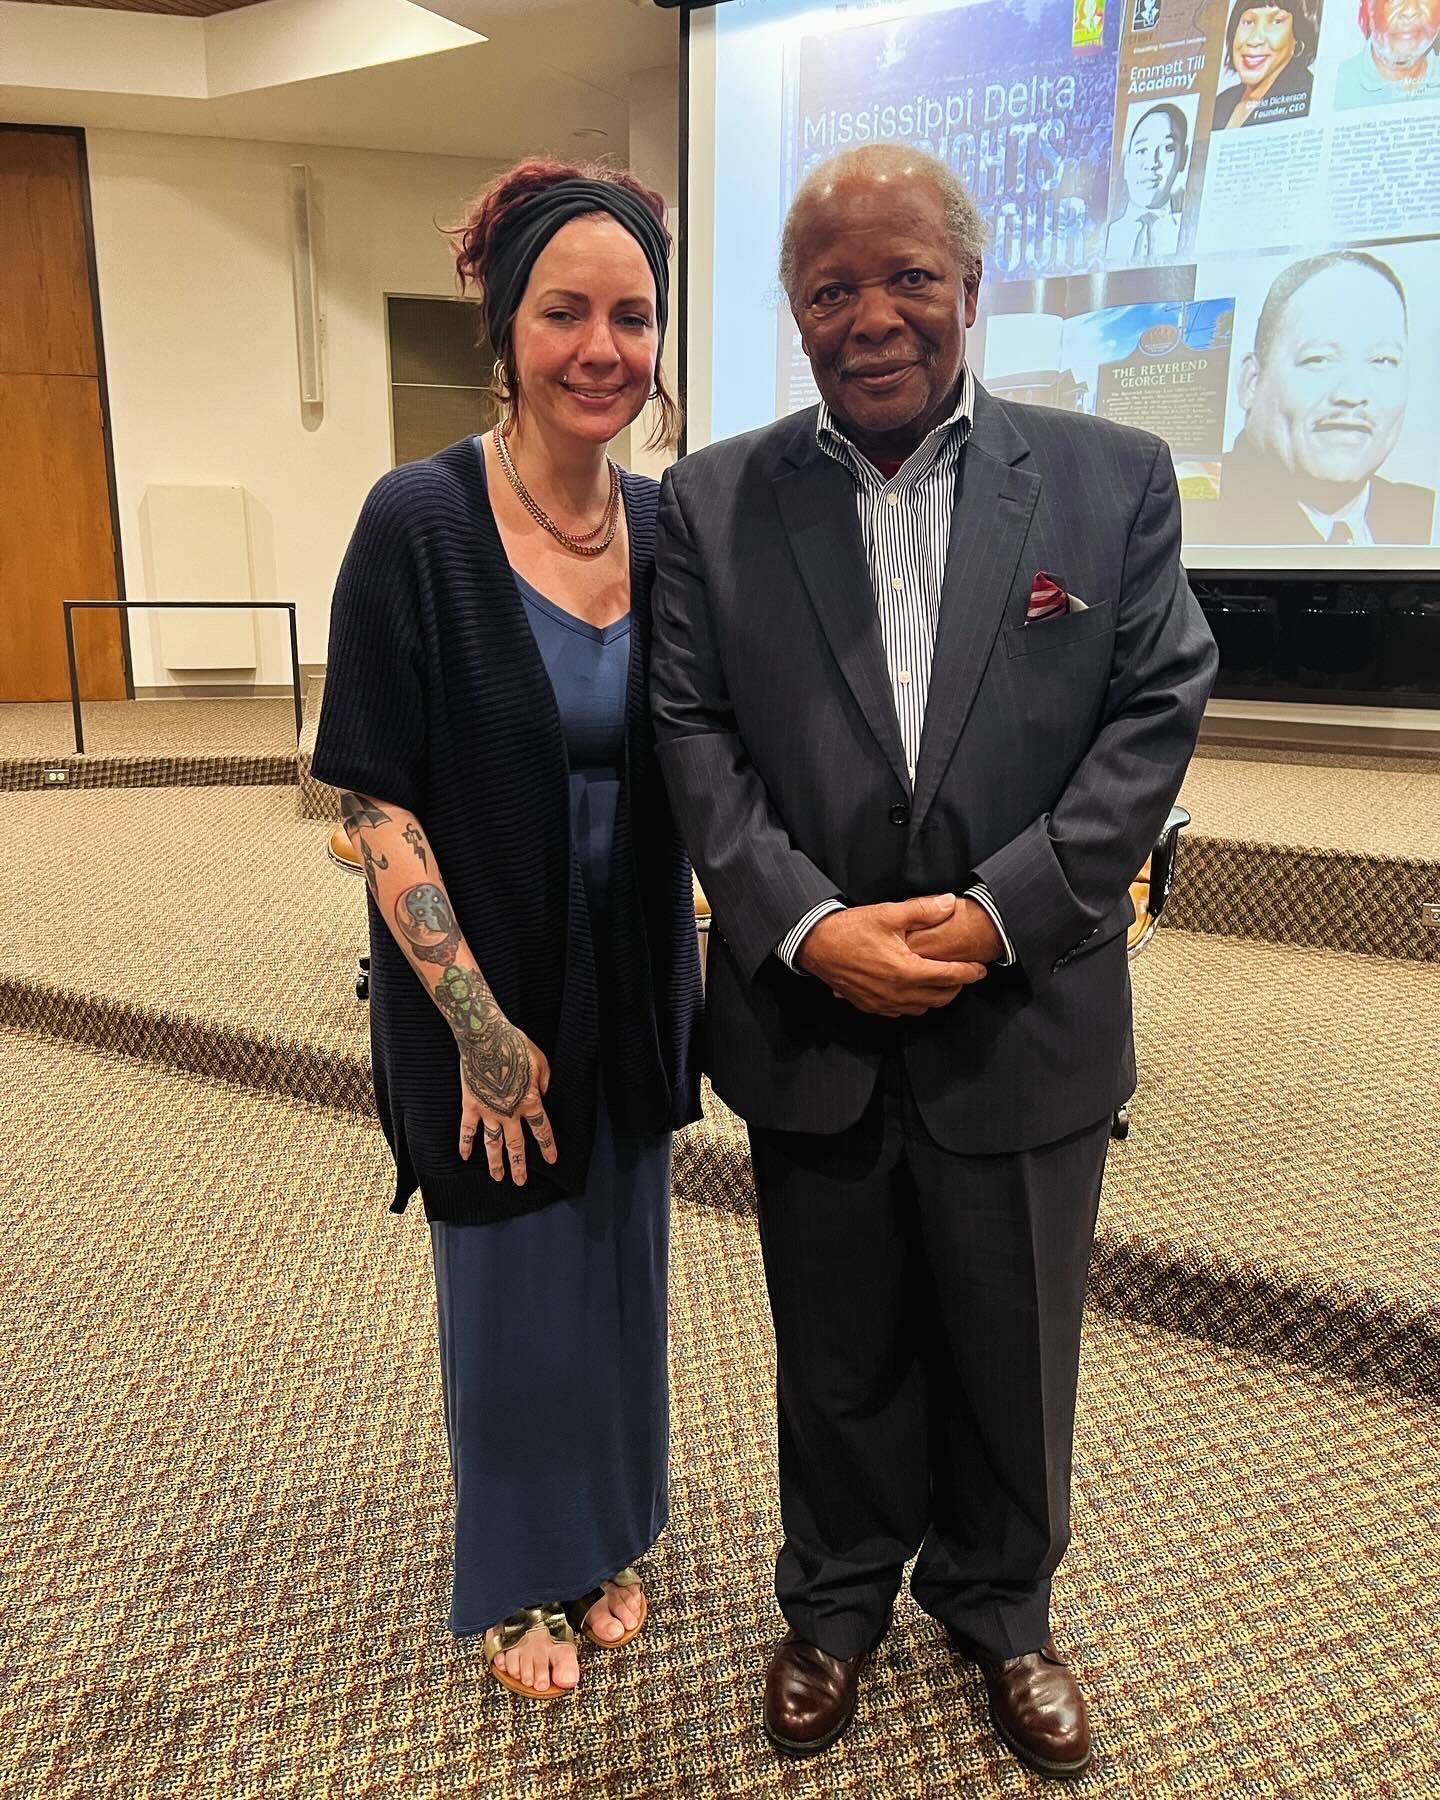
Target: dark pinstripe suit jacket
column 1050, row 756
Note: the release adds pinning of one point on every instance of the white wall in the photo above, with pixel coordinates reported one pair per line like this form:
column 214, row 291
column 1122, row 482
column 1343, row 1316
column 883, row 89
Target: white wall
column 655, row 158
column 193, row 251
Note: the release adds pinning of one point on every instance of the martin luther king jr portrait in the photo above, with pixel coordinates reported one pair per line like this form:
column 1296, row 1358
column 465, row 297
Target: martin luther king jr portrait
column 1324, row 392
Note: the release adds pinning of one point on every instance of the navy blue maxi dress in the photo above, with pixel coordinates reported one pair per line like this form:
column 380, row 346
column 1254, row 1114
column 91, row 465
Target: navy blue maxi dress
column 552, row 1324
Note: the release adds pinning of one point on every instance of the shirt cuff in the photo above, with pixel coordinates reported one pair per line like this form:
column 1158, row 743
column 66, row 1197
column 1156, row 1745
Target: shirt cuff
column 982, row 896
column 789, row 946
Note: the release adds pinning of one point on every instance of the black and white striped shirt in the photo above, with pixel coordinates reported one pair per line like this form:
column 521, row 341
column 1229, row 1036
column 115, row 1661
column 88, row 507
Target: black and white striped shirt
column 905, row 525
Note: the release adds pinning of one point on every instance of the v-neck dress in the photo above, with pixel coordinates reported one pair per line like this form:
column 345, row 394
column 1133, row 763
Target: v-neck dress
column 552, row 1324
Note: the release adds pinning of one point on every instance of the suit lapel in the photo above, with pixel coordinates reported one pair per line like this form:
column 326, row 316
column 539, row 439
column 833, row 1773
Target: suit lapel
column 817, row 506
column 994, row 503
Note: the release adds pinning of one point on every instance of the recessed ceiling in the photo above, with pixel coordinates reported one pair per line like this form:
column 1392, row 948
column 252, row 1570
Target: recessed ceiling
column 189, row 9
column 549, row 69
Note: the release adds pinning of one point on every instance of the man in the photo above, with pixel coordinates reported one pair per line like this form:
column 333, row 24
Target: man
column 912, row 644
column 1399, row 60
column 1324, row 393
column 1148, row 230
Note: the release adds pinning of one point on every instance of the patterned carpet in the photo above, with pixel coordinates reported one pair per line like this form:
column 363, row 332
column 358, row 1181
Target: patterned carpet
column 1417, row 760
column 225, row 1508
column 318, row 800
column 218, row 936
column 1339, row 854
column 1388, row 808
column 1281, row 1189
column 151, row 728
column 151, row 743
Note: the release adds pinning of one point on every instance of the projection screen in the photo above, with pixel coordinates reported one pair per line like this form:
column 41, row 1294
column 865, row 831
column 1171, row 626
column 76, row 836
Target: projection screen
column 1219, row 222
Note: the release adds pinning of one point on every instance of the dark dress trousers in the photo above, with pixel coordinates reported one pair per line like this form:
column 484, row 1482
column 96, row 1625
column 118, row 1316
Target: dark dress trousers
column 928, row 1186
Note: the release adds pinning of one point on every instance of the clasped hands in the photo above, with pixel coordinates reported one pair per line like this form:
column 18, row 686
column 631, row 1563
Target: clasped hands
column 903, row 957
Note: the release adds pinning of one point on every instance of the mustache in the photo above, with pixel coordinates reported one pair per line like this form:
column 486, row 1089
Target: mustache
column 924, row 354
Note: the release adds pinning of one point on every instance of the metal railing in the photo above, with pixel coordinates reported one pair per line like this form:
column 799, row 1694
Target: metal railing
column 125, row 607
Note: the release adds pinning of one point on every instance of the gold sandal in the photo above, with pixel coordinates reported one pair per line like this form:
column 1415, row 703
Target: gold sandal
column 506, row 1636
column 578, row 1611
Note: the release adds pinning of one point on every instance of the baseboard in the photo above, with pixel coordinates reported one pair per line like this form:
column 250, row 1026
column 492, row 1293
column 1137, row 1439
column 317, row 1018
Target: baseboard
column 229, row 690
column 1411, row 731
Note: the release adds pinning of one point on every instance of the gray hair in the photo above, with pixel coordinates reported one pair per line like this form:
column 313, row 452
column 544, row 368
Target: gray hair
column 964, row 228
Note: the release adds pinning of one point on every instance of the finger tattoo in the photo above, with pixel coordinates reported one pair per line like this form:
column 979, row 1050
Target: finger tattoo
column 493, row 1136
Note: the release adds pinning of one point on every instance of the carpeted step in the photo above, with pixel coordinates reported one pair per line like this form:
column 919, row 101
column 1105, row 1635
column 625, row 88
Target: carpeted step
column 1279, row 1189
column 204, row 929
column 1339, row 853
column 149, row 744
column 317, row 800
column 227, row 1514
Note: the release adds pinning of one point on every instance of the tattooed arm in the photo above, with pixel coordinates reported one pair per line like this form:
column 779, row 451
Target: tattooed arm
column 502, row 1074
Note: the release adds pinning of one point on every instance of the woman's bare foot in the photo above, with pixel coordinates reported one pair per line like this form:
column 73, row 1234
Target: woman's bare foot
column 618, row 1610
column 540, row 1663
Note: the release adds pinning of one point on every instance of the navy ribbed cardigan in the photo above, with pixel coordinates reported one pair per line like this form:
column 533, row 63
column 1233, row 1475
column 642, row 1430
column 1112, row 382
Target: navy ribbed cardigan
column 436, row 699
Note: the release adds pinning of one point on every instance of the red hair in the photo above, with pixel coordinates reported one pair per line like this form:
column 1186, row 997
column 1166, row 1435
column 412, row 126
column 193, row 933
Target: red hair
column 475, row 242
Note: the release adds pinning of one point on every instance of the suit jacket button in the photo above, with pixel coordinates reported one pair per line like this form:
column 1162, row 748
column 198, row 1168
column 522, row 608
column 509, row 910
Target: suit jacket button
column 899, row 813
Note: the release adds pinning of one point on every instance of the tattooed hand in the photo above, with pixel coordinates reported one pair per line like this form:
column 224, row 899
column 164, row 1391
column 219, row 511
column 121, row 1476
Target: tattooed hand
column 503, row 1076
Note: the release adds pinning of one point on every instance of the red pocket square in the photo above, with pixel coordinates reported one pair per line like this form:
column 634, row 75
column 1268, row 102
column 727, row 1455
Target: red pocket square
column 1048, row 600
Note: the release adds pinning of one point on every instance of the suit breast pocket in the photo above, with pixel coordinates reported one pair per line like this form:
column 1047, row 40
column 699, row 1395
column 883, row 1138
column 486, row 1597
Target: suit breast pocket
column 1066, row 631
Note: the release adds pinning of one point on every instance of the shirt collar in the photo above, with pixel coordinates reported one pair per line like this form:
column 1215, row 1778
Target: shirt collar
column 954, row 430
column 1352, row 513
column 1375, row 83
column 1168, row 211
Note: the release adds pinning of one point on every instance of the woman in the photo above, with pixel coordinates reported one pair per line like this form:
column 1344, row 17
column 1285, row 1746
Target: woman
column 534, row 977
column 1269, row 49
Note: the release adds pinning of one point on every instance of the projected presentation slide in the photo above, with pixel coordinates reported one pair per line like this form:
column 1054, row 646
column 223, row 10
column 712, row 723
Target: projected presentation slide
column 1219, row 222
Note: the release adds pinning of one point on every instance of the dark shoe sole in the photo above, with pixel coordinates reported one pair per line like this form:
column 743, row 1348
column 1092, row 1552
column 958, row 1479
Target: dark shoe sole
column 1040, row 1765
column 811, row 1746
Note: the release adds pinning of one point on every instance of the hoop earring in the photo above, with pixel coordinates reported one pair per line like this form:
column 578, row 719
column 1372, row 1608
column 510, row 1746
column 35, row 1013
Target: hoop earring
column 500, row 377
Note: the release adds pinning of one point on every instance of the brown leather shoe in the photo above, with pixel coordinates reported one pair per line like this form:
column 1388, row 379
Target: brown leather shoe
column 1038, row 1709
column 810, row 1696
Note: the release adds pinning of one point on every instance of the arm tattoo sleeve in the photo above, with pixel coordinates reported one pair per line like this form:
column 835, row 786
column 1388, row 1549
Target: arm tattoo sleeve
column 493, row 1055
column 427, row 924
column 373, row 863
column 416, row 843
column 356, row 810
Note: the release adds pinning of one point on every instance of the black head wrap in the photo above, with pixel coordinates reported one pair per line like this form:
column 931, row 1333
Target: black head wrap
column 536, row 220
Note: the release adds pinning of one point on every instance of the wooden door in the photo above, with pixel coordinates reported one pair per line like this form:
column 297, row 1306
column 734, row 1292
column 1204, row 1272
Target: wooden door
column 56, row 521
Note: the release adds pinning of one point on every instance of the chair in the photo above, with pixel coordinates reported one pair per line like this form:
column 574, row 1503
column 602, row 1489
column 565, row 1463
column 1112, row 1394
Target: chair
column 1151, row 887
column 1148, row 893
column 345, row 856
column 702, row 922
